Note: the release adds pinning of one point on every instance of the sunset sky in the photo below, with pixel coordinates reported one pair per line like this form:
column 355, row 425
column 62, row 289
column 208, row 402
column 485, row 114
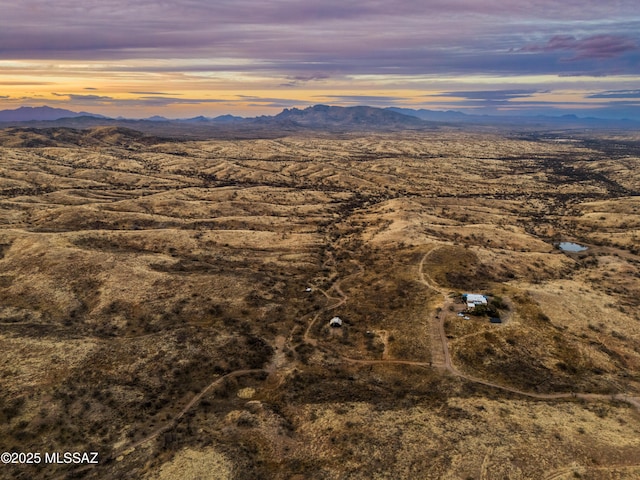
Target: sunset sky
column 184, row 58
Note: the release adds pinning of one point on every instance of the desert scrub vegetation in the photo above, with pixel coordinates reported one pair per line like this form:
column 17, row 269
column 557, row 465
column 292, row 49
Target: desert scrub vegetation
column 137, row 271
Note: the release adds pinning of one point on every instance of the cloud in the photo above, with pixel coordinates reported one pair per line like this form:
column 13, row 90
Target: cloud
column 295, row 39
column 85, row 98
column 381, row 49
column 594, row 47
column 23, row 83
column 311, row 77
column 500, row 96
column 162, row 101
column 153, row 93
column 616, row 94
column 374, row 100
column 592, row 73
column 144, row 101
column 276, row 104
column 297, row 80
column 257, row 101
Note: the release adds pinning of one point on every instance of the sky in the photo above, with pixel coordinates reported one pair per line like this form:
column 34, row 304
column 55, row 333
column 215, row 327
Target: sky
column 183, row 58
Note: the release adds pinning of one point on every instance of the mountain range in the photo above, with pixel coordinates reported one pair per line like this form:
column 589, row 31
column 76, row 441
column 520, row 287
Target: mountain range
column 329, row 116
column 317, row 117
column 452, row 116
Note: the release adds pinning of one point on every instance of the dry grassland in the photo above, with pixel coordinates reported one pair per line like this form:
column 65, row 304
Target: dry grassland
column 166, row 304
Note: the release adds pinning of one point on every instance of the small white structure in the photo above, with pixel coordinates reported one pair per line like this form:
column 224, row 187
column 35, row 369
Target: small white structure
column 335, row 322
column 474, row 299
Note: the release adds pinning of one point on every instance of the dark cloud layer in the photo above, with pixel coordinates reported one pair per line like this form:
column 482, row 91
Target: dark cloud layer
column 301, row 41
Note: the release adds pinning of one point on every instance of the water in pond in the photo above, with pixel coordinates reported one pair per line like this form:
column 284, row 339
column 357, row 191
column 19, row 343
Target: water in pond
column 571, row 247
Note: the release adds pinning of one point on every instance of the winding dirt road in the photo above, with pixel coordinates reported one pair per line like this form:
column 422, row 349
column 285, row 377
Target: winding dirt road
column 171, row 423
column 340, row 301
column 439, row 349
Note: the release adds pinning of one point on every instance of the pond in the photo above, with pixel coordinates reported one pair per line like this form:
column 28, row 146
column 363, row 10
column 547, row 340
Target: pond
column 571, row 247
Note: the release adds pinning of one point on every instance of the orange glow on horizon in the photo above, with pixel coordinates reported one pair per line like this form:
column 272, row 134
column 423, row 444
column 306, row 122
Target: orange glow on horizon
column 142, row 88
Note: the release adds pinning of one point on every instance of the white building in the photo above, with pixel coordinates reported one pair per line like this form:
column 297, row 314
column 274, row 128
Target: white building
column 474, row 299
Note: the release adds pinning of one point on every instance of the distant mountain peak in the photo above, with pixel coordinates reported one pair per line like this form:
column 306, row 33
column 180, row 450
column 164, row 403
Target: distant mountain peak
column 228, row 118
column 199, row 118
column 44, row 112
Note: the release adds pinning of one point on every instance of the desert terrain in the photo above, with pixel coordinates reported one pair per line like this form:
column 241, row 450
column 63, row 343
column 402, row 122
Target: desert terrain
column 166, row 303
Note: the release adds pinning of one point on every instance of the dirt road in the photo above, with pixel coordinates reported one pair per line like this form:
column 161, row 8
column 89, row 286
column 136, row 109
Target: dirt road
column 171, row 423
column 443, row 345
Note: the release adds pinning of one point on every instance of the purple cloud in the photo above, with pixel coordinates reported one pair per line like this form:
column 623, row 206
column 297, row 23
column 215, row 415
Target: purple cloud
column 157, row 101
column 85, row 98
column 617, row 94
column 594, row 47
column 298, row 80
column 295, row 39
column 311, row 77
column 286, row 102
column 375, row 100
column 488, row 95
column 153, row 93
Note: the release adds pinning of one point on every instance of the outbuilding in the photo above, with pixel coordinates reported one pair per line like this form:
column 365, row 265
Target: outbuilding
column 335, row 322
